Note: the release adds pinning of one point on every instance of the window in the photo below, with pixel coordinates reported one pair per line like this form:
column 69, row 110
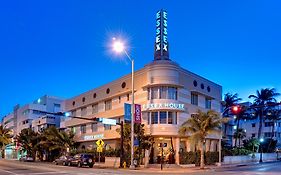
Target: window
column 172, row 118
column 95, row 108
column 208, row 103
column 163, row 92
column 83, row 129
column 154, row 93
column 195, row 83
column 154, row 118
column 194, row 99
column 107, row 90
column 208, row 89
column 202, row 86
column 268, row 124
column 148, row 118
column 123, row 85
column 73, row 113
column 128, row 97
column 83, row 111
column 267, row 134
column 163, row 117
column 73, row 129
column 279, row 134
column 94, row 127
column 253, row 135
column 253, row 125
column 57, row 105
column 108, row 105
column 279, row 124
column 172, row 93
column 107, row 127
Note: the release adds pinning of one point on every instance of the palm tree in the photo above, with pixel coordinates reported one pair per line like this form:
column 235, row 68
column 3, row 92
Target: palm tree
column 5, row 139
column 239, row 134
column 200, row 126
column 53, row 139
column 242, row 114
column 28, row 140
column 229, row 101
column 262, row 98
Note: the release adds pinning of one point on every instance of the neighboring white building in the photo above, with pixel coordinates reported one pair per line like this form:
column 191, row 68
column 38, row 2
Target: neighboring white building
column 34, row 115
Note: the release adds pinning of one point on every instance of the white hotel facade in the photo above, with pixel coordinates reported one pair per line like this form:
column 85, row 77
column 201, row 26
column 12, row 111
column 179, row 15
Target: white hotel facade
column 168, row 93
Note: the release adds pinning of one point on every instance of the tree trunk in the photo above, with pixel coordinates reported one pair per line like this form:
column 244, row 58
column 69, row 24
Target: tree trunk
column 202, row 155
column 238, row 125
column 260, row 124
column 3, row 152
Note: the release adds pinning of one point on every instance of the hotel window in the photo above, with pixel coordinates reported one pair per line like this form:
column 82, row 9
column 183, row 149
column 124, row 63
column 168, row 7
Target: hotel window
column 253, row 125
column 73, row 113
column 83, row 111
column 163, row 92
column 163, row 117
column 94, row 127
column 148, row 118
column 253, row 135
column 267, row 134
column 172, row 118
column 108, row 105
column 73, row 129
column 154, row 93
column 208, row 103
column 172, row 93
column 83, row 129
column 95, row 108
column 194, row 99
column 107, row 127
column 154, row 118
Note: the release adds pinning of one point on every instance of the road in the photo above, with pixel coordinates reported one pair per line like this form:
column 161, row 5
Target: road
column 28, row 168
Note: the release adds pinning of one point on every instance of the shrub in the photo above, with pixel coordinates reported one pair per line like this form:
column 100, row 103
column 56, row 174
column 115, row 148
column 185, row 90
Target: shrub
column 194, row 158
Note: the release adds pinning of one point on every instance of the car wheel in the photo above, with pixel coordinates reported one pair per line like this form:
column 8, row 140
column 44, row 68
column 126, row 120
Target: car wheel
column 91, row 165
column 79, row 164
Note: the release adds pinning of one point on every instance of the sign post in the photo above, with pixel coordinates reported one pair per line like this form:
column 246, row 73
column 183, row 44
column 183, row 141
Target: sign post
column 100, row 144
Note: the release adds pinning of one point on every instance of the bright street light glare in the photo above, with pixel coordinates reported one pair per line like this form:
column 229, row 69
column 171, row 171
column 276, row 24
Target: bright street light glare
column 118, row 46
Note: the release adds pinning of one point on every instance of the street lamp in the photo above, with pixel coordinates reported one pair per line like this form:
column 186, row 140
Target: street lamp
column 261, row 141
column 118, row 46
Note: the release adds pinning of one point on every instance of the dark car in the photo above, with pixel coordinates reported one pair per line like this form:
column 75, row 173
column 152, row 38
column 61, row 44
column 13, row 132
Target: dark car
column 62, row 160
column 82, row 160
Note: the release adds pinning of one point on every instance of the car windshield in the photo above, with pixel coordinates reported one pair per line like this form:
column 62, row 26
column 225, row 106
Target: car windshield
column 87, row 156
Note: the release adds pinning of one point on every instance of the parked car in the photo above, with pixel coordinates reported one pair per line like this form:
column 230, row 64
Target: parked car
column 62, row 160
column 26, row 159
column 82, row 160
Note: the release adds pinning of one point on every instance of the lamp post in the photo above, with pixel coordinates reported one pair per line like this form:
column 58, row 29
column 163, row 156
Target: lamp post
column 119, row 47
column 261, row 141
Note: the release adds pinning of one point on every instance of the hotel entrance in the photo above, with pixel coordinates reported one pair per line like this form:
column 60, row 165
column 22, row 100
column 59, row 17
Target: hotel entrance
column 162, row 148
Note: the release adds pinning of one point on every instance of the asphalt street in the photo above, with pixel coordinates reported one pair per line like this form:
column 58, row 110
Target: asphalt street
column 28, row 168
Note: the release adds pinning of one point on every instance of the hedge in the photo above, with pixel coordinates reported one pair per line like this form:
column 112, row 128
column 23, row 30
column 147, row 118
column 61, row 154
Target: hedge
column 194, row 158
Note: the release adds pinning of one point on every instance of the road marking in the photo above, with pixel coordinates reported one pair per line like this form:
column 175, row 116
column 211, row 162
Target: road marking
column 10, row 172
column 54, row 172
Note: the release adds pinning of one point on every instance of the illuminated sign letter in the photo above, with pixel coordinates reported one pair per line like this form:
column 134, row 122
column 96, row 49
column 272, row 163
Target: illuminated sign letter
column 165, row 15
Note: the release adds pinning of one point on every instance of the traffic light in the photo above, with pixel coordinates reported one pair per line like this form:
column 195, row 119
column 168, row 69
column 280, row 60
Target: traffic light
column 235, row 109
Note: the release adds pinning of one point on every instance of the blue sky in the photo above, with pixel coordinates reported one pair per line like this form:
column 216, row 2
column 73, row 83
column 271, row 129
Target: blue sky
column 61, row 47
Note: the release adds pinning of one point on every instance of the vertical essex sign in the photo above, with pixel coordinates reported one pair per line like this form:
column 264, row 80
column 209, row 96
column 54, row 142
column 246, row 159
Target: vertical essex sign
column 137, row 113
column 161, row 50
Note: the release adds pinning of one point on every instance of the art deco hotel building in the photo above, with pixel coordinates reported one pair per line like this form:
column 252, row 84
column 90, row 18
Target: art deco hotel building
column 168, row 94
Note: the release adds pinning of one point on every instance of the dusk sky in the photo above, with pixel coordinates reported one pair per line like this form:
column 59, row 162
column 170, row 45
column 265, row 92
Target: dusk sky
column 61, row 48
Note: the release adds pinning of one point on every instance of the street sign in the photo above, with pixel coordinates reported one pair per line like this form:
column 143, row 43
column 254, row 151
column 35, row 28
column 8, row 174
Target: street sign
column 99, row 149
column 100, row 143
column 137, row 113
column 108, row 121
column 127, row 112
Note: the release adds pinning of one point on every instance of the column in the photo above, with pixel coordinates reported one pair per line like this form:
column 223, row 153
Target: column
column 208, row 145
column 146, row 158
